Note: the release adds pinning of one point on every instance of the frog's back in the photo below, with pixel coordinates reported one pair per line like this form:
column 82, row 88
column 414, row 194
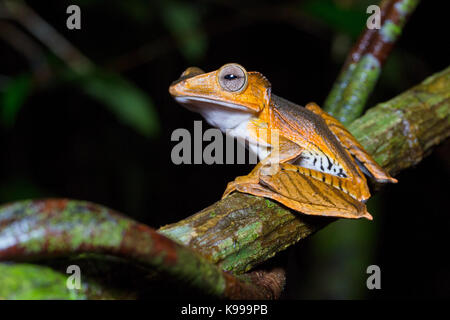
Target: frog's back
column 312, row 133
column 308, row 120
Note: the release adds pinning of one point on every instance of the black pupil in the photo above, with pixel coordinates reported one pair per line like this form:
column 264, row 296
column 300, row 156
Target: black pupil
column 230, row 76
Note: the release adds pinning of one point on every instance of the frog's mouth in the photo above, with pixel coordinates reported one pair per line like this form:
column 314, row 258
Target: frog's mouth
column 196, row 103
column 220, row 114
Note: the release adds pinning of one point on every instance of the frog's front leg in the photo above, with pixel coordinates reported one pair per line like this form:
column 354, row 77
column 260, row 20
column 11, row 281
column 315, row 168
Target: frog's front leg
column 286, row 151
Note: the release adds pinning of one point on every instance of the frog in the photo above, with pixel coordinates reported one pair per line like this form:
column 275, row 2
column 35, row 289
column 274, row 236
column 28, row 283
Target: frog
column 308, row 160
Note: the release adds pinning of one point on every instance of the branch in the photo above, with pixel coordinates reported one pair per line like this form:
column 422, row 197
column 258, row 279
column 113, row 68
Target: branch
column 362, row 69
column 241, row 231
column 41, row 229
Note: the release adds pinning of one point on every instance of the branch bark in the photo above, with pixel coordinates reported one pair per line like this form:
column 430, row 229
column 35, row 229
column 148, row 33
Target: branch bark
column 241, row 231
column 347, row 98
column 34, row 230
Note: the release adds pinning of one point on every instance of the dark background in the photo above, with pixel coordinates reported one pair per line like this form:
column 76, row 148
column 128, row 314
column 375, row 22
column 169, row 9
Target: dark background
column 62, row 133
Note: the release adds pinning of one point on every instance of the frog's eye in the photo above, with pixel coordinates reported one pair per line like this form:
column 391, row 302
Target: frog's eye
column 232, row 77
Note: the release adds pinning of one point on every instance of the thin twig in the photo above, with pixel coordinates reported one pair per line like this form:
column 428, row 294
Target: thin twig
column 362, row 68
column 34, row 54
column 29, row 19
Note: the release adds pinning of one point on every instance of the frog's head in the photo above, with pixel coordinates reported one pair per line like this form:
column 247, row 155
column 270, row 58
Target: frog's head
column 224, row 97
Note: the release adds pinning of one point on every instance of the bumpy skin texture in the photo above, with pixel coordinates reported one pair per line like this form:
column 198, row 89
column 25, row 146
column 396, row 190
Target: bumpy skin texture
column 316, row 167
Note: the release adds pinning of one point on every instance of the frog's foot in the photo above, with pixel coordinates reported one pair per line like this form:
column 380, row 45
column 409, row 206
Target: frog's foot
column 231, row 186
column 252, row 179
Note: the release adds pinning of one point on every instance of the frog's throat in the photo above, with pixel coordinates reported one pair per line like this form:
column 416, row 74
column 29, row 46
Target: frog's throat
column 219, row 114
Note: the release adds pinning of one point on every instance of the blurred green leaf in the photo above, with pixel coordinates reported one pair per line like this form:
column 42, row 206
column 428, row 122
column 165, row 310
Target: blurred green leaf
column 183, row 21
column 33, row 282
column 348, row 19
column 14, row 95
column 130, row 104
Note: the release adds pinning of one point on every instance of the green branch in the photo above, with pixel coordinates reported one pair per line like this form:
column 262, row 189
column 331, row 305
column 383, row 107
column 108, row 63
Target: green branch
column 43, row 229
column 362, row 69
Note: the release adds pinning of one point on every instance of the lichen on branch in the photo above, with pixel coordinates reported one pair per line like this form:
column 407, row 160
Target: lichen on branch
column 347, row 98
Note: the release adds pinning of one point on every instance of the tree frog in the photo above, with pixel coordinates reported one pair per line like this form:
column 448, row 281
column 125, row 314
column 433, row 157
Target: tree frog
column 313, row 165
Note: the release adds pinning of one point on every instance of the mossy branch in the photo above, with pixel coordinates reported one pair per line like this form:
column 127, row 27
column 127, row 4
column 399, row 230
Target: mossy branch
column 36, row 230
column 241, row 231
column 347, row 98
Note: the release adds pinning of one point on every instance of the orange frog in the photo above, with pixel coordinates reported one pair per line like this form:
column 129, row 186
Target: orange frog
column 309, row 161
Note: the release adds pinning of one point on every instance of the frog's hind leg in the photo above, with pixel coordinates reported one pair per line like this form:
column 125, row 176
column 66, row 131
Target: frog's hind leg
column 307, row 195
column 300, row 192
column 343, row 184
column 349, row 142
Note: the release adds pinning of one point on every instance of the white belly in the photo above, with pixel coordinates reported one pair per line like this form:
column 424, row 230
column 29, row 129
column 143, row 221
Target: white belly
column 258, row 148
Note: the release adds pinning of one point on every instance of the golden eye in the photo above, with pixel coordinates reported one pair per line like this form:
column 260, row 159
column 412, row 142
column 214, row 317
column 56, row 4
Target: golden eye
column 232, row 77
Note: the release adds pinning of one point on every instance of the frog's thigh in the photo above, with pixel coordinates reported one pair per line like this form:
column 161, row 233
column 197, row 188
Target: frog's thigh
column 311, row 196
column 352, row 145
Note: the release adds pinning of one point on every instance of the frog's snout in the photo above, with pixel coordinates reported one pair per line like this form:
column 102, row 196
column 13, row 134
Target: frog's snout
column 188, row 73
column 177, row 87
